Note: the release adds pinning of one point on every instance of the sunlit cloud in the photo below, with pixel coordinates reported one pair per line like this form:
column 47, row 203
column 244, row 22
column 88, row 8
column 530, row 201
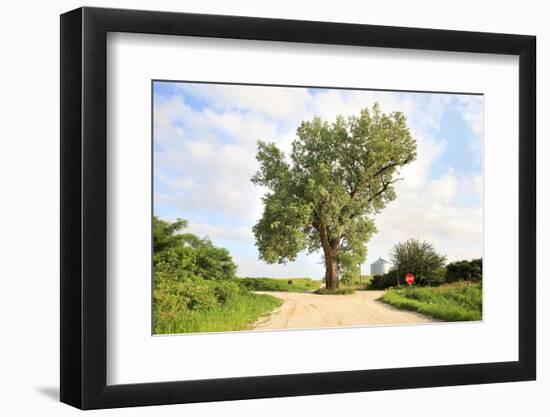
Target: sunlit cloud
column 205, row 144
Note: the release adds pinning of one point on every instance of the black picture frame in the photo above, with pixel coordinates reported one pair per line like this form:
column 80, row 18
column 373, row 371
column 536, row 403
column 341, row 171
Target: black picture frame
column 84, row 207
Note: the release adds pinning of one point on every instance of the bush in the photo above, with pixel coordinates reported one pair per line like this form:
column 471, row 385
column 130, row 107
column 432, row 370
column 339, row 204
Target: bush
column 381, row 282
column 199, row 296
column 262, row 284
column 195, row 285
column 465, row 270
column 438, row 277
column 226, row 291
column 170, row 296
column 184, row 255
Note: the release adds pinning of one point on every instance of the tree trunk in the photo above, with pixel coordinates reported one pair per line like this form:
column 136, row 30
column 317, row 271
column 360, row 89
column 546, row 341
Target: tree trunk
column 330, row 251
column 331, row 272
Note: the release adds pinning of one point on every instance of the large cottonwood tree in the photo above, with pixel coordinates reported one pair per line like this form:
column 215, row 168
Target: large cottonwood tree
column 324, row 195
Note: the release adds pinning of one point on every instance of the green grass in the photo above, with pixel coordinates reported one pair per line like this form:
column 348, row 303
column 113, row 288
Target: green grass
column 337, row 291
column 279, row 284
column 453, row 302
column 239, row 313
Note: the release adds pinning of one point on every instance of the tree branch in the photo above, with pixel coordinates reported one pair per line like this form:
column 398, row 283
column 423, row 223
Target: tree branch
column 358, row 188
column 385, row 186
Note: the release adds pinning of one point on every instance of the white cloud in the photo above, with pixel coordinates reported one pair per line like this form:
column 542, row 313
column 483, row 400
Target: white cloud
column 220, row 232
column 471, row 111
column 207, row 157
column 471, row 108
column 305, row 266
column 455, row 231
column 269, row 102
column 433, row 210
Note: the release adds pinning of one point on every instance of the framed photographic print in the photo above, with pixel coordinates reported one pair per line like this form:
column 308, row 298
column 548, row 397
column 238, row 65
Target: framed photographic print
column 256, row 208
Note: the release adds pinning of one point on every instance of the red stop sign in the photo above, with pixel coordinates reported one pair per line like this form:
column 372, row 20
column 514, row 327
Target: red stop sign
column 409, row 278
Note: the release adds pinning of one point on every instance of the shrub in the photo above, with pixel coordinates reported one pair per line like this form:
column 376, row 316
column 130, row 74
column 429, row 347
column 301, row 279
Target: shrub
column 226, row 291
column 196, row 287
column 193, row 294
column 465, row 270
column 436, row 278
column 184, row 255
column 171, row 296
column 381, row 282
column 262, row 284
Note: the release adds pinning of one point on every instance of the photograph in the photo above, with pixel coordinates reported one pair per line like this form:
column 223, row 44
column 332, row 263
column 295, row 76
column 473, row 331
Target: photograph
column 292, row 207
column 281, row 207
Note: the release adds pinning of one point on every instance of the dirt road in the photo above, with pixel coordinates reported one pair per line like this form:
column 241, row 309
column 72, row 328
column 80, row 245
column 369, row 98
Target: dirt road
column 307, row 310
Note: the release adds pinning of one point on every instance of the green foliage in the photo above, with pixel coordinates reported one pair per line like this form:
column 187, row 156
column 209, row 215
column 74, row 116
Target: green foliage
column 237, row 313
column 273, row 284
column 355, row 281
column 437, row 277
column 465, row 270
column 171, row 296
column 350, row 273
column 184, row 256
column 419, row 259
column 336, row 291
column 165, row 234
column 381, row 282
column 337, row 177
column 450, row 302
column 195, row 285
column 226, row 291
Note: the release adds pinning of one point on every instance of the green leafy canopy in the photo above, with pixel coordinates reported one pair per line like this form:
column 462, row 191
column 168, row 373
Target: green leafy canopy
column 337, row 176
column 182, row 256
column 418, row 258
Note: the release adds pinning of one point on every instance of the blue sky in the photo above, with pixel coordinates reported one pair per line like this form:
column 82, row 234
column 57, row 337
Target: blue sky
column 204, row 155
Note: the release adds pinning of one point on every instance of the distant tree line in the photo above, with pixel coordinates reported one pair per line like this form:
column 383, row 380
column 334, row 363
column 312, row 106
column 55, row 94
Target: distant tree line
column 464, row 270
column 428, row 267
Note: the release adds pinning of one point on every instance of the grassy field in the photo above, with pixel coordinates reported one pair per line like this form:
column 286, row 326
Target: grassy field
column 199, row 305
column 238, row 313
column 461, row 301
column 357, row 283
column 279, row 284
